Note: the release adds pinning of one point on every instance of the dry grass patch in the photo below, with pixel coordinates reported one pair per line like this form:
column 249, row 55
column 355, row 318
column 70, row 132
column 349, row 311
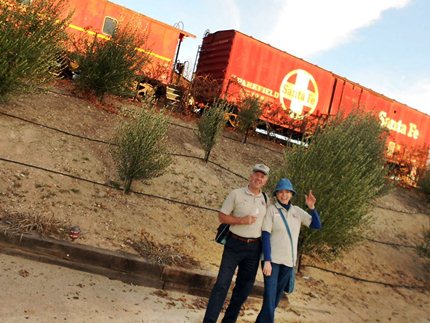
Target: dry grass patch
column 162, row 254
column 21, row 222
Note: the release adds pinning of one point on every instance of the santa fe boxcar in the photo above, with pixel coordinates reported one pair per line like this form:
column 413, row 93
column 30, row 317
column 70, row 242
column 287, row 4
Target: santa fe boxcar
column 298, row 94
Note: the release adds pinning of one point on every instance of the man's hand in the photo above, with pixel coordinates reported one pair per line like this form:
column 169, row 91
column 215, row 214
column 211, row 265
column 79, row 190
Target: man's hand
column 249, row 219
column 310, row 200
column 267, row 268
column 230, row 219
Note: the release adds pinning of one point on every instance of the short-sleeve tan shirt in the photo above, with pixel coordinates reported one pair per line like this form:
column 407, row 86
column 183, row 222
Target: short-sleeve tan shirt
column 242, row 202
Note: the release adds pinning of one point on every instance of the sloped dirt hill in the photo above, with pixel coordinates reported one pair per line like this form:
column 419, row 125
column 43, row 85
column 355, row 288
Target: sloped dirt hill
column 106, row 217
column 392, row 278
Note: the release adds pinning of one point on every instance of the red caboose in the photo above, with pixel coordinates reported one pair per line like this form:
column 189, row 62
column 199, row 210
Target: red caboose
column 101, row 17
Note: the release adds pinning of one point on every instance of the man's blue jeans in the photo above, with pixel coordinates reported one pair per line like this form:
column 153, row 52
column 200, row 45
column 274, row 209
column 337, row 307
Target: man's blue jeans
column 240, row 254
column 274, row 286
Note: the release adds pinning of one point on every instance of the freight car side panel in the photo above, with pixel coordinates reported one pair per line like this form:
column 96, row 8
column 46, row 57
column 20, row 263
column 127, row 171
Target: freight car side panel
column 294, row 87
column 409, row 129
column 409, row 136
column 295, row 90
column 406, row 125
column 346, row 97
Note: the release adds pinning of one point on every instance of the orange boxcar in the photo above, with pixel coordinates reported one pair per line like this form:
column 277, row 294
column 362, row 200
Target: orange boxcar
column 298, row 94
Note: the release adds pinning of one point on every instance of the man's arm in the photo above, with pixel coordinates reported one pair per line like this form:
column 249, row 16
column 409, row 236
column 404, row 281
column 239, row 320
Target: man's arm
column 230, row 219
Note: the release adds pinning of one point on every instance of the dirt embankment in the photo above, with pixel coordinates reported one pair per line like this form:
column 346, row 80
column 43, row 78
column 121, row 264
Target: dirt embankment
column 111, row 220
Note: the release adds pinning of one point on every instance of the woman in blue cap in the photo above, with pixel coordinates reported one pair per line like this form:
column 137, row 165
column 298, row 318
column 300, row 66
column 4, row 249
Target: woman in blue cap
column 281, row 229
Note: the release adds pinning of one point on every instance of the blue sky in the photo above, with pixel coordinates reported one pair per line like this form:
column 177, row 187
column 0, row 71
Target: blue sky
column 381, row 44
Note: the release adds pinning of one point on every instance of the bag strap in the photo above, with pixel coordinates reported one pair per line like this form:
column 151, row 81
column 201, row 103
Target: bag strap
column 265, row 197
column 289, row 232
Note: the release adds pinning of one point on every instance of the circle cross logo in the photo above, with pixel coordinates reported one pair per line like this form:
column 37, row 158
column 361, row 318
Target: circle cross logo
column 298, row 91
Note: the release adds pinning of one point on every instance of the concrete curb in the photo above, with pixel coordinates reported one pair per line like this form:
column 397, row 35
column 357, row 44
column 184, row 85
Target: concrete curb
column 126, row 267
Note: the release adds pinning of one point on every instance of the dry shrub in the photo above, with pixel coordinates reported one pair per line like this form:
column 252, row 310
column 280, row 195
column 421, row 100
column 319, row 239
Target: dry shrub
column 162, row 254
column 19, row 222
column 205, row 89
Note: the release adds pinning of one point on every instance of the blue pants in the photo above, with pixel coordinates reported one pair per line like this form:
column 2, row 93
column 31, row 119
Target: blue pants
column 240, row 254
column 274, row 286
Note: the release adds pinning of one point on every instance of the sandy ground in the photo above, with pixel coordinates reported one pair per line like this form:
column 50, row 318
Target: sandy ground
column 35, row 292
column 111, row 220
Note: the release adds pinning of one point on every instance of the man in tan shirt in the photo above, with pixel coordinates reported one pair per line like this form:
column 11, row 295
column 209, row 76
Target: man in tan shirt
column 244, row 209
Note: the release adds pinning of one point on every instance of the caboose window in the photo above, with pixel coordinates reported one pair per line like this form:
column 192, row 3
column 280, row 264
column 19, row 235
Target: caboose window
column 109, row 25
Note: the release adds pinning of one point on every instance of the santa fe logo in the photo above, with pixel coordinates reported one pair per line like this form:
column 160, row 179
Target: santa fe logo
column 299, row 91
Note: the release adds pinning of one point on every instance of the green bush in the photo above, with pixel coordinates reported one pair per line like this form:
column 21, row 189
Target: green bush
column 210, row 126
column 424, row 183
column 139, row 147
column 343, row 165
column 32, row 40
column 110, row 66
column 424, row 248
column 249, row 112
